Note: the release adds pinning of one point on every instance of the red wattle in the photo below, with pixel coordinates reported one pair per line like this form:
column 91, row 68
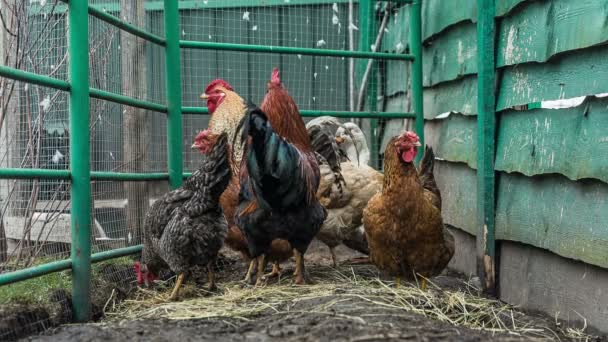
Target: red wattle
column 408, row 155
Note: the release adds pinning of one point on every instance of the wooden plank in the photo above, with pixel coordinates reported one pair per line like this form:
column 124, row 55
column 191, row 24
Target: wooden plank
column 438, row 15
column 454, row 138
column 263, row 28
column 537, row 280
column 566, row 76
column 551, row 212
column 330, row 74
column 297, row 70
column 199, row 67
column 233, row 66
column 451, row 54
column 538, row 30
column 457, row 183
column 572, row 141
column 458, row 96
column 397, row 35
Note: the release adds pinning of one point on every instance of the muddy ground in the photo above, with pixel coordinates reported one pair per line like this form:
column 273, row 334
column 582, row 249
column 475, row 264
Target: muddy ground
column 349, row 319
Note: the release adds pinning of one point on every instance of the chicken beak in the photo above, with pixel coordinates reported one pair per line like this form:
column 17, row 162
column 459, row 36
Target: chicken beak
column 194, row 146
column 204, row 96
column 339, row 140
column 417, row 143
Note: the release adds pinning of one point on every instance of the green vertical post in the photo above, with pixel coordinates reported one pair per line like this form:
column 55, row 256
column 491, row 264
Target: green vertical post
column 486, row 126
column 80, row 214
column 174, row 94
column 416, row 50
column 367, row 27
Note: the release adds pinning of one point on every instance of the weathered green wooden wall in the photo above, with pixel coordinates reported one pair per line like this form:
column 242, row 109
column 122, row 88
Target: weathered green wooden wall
column 552, row 164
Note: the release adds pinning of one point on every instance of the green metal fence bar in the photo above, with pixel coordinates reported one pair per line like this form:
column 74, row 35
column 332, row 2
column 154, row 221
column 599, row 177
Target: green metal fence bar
column 486, row 126
column 112, row 20
column 188, row 44
column 174, row 94
column 367, row 27
column 416, row 44
column 35, row 271
column 126, row 100
column 62, row 265
column 133, row 177
column 115, row 253
column 30, row 77
column 80, row 214
column 22, row 173
column 315, row 113
column 347, row 114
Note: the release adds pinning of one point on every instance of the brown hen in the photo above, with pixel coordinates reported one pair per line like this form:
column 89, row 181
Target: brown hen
column 403, row 222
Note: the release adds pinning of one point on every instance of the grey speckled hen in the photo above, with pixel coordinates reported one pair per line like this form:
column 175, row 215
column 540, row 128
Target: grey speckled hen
column 187, row 227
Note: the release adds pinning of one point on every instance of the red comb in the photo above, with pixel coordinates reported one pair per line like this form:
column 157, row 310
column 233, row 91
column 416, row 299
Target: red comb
column 412, row 136
column 274, row 78
column 216, row 83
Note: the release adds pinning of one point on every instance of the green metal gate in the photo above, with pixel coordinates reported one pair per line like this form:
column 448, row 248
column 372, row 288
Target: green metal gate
column 80, row 173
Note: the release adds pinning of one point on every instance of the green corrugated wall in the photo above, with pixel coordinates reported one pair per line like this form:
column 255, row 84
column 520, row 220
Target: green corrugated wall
column 552, row 163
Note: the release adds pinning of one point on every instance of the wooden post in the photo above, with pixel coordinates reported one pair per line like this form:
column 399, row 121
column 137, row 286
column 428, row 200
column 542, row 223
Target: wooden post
column 136, row 124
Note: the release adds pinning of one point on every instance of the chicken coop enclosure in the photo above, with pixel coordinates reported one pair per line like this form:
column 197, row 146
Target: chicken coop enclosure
column 100, row 104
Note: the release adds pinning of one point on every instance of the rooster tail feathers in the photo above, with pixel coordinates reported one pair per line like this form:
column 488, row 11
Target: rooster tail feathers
column 278, row 173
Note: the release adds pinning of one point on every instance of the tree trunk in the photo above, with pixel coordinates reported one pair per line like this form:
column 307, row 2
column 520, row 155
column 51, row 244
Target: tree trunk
column 10, row 119
column 135, row 124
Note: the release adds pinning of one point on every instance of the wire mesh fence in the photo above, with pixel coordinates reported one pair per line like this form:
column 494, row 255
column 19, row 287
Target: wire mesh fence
column 34, row 122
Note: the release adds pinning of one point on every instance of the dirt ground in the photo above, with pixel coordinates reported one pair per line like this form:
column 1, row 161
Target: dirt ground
column 338, row 315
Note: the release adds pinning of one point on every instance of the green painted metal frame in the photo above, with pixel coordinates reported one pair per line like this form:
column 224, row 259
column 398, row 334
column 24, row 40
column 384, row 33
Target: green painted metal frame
column 80, row 172
column 315, row 113
column 486, row 132
column 416, row 46
column 367, row 27
column 80, row 165
column 285, row 50
column 174, row 94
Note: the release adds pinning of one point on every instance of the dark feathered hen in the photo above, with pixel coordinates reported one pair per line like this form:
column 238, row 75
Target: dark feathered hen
column 186, row 227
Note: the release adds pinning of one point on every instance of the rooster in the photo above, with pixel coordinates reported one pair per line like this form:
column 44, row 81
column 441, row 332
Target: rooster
column 403, row 222
column 279, row 179
column 186, row 227
column 227, row 109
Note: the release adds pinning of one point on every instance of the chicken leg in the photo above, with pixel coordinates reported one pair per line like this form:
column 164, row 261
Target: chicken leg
column 178, row 284
column 299, row 273
column 334, row 258
column 260, row 271
column 252, row 268
column 211, row 277
column 423, row 284
column 276, row 271
column 398, row 282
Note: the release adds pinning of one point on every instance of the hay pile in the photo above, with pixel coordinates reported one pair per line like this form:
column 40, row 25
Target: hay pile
column 359, row 285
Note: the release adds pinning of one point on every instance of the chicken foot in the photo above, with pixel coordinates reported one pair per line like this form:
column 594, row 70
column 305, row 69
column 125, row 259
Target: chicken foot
column 299, row 273
column 178, row 284
column 276, row 271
